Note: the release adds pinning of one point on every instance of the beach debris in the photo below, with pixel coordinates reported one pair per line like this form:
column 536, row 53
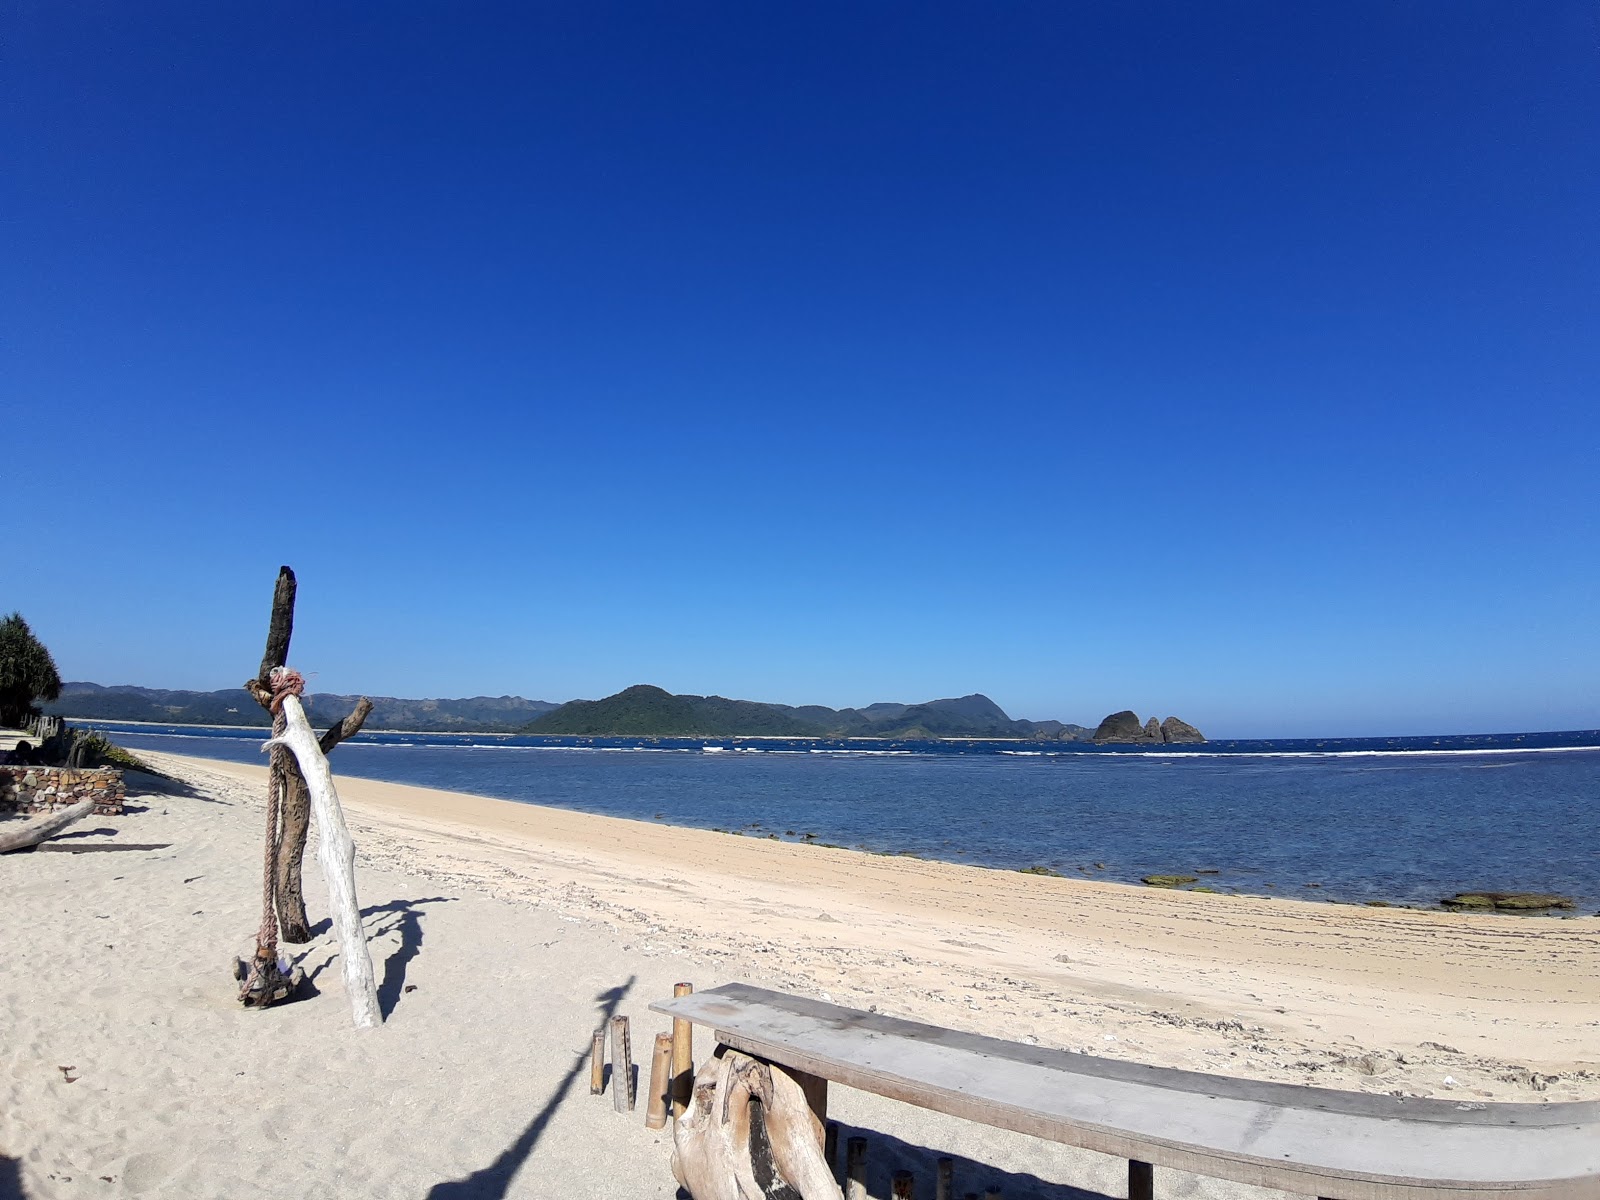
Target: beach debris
column 33, row 832
column 67, row 1074
column 749, row 1121
column 1506, row 901
column 1168, row 881
column 597, row 1063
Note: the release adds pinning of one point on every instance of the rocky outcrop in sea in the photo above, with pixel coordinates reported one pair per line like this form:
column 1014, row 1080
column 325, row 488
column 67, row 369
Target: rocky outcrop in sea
column 1124, row 728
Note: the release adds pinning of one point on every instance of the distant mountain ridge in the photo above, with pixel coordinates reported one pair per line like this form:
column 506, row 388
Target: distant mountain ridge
column 648, row 711
column 639, row 711
column 235, row 706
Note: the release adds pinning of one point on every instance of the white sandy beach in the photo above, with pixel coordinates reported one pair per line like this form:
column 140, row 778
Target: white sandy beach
column 503, row 933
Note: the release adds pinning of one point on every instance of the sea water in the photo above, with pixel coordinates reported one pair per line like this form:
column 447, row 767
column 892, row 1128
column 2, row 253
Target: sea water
column 1401, row 820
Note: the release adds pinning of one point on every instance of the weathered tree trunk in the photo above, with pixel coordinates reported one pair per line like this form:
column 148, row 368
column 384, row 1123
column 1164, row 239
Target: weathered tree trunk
column 336, row 853
column 749, row 1134
column 293, row 926
column 280, row 626
column 34, row 832
column 294, row 803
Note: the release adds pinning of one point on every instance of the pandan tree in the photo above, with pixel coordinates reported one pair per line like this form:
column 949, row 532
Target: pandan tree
column 27, row 672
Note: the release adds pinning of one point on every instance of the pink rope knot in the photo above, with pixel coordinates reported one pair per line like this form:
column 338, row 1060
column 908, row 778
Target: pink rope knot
column 285, row 682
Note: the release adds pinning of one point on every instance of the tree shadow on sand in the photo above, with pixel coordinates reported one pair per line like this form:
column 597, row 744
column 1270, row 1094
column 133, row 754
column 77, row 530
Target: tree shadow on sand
column 147, row 785
column 404, row 918
column 493, row 1181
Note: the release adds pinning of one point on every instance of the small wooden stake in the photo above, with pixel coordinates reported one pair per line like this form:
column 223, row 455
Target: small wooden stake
column 902, row 1186
column 942, row 1181
column 621, row 1066
column 855, row 1154
column 682, row 1056
column 655, row 1111
column 1141, row 1184
column 830, row 1146
column 597, row 1063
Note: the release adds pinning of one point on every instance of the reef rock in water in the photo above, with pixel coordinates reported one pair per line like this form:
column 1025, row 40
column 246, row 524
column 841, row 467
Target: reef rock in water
column 1125, row 728
column 1174, row 730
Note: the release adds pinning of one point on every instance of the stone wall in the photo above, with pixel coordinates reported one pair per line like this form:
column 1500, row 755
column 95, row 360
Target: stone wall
column 45, row 789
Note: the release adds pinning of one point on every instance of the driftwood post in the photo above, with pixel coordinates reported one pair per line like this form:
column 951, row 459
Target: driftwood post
column 336, row 853
column 287, row 784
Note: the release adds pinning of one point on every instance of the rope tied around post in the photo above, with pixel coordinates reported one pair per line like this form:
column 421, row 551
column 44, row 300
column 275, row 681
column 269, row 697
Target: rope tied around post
column 265, row 980
column 284, row 681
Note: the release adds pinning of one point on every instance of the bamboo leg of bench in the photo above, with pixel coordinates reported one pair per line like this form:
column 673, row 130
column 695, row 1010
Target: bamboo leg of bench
column 1141, row 1181
column 855, row 1169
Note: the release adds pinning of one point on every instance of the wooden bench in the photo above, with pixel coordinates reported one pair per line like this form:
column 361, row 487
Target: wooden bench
column 1342, row 1145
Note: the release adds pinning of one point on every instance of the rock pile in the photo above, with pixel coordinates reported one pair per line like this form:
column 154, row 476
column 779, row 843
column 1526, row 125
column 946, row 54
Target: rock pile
column 45, row 789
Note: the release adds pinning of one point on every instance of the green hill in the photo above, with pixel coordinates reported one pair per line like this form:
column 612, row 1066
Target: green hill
column 235, row 706
column 645, row 711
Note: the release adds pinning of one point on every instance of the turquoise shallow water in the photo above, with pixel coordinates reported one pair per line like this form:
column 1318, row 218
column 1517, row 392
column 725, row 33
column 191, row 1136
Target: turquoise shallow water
column 1365, row 821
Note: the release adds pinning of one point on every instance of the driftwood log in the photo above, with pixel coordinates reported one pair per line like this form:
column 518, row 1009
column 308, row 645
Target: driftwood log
column 336, row 852
column 749, row 1134
column 33, row 832
column 285, row 779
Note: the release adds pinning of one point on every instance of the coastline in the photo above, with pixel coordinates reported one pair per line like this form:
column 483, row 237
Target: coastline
column 504, row 933
column 1088, row 959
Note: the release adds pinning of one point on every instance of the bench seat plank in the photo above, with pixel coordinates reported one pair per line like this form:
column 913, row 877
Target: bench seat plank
column 1348, row 1145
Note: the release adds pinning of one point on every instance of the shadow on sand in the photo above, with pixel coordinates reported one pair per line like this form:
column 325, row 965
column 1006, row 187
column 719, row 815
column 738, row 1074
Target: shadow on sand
column 406, row 919
column 10, row 1179
column 886, row 1155
column 144, row 784
column 492, row 1182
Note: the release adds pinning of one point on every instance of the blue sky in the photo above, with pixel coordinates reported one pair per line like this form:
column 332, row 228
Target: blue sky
column 1237, row 361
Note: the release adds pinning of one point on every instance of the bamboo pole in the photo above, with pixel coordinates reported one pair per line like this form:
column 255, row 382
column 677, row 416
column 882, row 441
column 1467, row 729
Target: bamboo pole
column 902, row 1186
column 655, row 1112
column 1141, row 1182
column 621, row 1066
column 830, row 1146
column 682, row 1056
column 943, row 1179
column 855, row 1152
column 597, row 1063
